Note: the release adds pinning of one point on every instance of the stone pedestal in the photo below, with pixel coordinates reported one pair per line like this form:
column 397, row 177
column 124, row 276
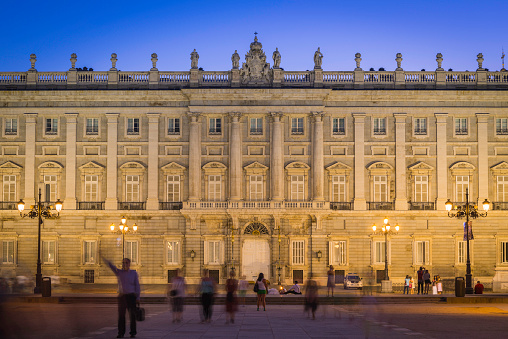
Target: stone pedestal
column 386, row 286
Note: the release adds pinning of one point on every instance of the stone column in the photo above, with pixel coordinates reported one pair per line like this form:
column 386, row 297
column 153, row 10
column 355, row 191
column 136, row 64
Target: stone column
column 235, row 149
column 112, row 162
column 359, row 182
column 194, row 158
column 483, row 158
column 70, row 162
column 441, row 159
column 400, row 161
column 317, row 157
column 277, row 158
column 152, row 202
column 30, row 124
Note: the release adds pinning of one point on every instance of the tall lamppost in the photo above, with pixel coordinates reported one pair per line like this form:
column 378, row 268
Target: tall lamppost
column 123, row 228
column 385, row 230
column 40, row 211
column 468, row 211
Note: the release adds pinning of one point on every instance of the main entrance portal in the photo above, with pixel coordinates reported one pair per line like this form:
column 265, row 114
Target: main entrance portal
column 255, row 258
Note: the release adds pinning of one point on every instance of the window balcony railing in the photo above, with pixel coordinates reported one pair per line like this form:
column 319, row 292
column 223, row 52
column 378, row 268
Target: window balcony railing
column 11, row 131
column 91, row 205
column 51, row 132
column 296, row 130
column 131, row 205
column 8, row 205
column 173, row 205
column 215, row 131
column 92, row 131
column 421, row 206
column 386, row 205
column 461, row 131
column 420, row 131
column 343, row 206
column 132, row 131
column 379, row 131
column 173, row 131
column 339, row 131
column 256, row 205
column 256, row 131
column 503, row 205
column 498, row 131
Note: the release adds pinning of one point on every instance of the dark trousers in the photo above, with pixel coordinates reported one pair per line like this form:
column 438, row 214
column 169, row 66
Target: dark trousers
column 206, row 302
column 406, row 290
column 126, row 302
column 420, row 286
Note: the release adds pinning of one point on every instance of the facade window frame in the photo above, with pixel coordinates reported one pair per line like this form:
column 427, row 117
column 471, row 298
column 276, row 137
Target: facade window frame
column 256, row 126
column 9, row 250
column 420, row 126
column 90, row 251
column 10, row 129
column 216, row 245
column 51, row 128
column 502, row 126
column 422, row 252
column 379, row 126
column 49, row 252
column 338, row 249
column 133, row 127
column 132, row 250
column 92, row 127
column 173, row 126
column 461, row 126
column 297, row 126
column 338, row 126
column 298, row 252
column 215, row 126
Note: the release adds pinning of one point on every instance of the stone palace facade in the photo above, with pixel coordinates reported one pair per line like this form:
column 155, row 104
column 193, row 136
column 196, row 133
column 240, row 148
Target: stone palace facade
column 256, row 168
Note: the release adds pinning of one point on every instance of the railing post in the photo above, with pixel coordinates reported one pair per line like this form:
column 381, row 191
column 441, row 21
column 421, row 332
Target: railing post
column 400, row 81
column 113, row 73
column 153, row 77
column 278, row 75
column 481, row 79
column 318, row 78
column 235, row 78
column 72, row 74
column 358, row 78
column 194, row 77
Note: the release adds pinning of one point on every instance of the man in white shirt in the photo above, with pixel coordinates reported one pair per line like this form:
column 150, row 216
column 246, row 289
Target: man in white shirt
column 295, row 289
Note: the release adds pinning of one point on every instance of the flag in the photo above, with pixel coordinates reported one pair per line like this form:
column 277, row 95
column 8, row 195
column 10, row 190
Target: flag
column 468, row 226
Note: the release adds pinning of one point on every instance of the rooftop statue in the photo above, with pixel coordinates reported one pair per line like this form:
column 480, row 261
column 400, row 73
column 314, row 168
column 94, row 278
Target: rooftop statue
column 194, row 56
column 255, row 70
column 235, row 59
column 276, row 58
column 318, row 59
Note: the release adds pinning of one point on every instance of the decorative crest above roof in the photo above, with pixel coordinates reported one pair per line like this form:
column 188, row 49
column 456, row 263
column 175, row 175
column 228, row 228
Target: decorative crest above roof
column 255, row 70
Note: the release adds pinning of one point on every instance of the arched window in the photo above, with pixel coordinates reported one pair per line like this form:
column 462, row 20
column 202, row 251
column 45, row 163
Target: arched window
column 256, row 228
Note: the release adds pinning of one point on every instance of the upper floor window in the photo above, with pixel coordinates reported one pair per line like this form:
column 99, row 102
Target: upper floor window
column 8, row 252
column 297, row 126
column 49, row 252
column 379, row 126
column 502, row 188
column 339, row 126
column 421, row 188
column 92, row 126
column 173, row 126
column 420, row 125
column 51, row 127
column 338, row 252
column 338, row 188
column 131, row 250
column 297, row 187
column 461, row 126
column 133, row 126
column 9, row 187
column 379, row 252
column 90, row 251
column 380, row 188
column 173, row 251
column 215, row 126
column 214, row 251
column 461, row 252
column 256, row 126
column 173, row 188
column 132, row 188
column 91, row 188
column 501, row 126
column 256, row 187
column 214, row 188
column 298, row 251
column 11, row 126
column 50, row 185
column 461, row 186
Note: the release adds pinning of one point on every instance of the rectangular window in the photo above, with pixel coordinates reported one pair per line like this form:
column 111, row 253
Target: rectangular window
column 502, row 188
column 501, row 126
column 11, row 126
column 339, row 188
column 9, row 188
column 256, row 187
column 92, row 188
column 8, row 252
column 131, row 251
column 297, row 187
column 380, row 188
column 173, row 251
column 421, row 188
column 215, row 126
column 504, row 252
column 422, row 252
column 297, row 126
column 132, row 188
column 339, row 126
column 51, row 126
column 133, row 126
column 420, row 125
column 214, row 188
column 90, row 251
column 48, row 252
column 50, row 188
column 461, row 126
column 256, row 126
column 338, row 250
column 461, row 252
column 173, row 126
column 173, row 184
column 461, row 185
column 92, row 126
column 379, row 255
column 298, row 247
column 379, row 126
column 214, row 252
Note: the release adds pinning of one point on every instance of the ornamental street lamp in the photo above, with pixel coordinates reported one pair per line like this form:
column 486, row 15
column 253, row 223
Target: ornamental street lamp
column 123, row 228
column 468, row 211
column 386, row 229
column 40, row 211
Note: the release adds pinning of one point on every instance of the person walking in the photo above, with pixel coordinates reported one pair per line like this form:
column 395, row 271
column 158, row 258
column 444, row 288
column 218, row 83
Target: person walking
column 426, row 278
column 242, row 289
column 231, row 300
column 311, row 297
column 128, row 297
column 262, row 289
column 407, row 281
column 420, row 280
column 176, row 294
column 330, row 283
column 207, row 290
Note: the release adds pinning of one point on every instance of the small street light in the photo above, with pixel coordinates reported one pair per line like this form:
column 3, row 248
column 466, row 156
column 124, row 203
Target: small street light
column 40, row 211
column 385, row 230
column 468, row 211
column 123, row 228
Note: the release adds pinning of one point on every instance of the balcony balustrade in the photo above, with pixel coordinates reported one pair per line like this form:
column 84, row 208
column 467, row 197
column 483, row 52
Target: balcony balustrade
column 173, row 205
column 500, row 206
column 131, row 205
column 8, row 205
column 421, row 206
column 386, row 205
column 343, row 206
column 91, row 205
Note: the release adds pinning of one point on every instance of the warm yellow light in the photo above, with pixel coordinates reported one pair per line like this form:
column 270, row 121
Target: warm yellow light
column 383, row 229
column 112, row 227
column 373, row 228
column 124, row 220
column 21, row 205
column 397, row 227
column 388, row 227
column 448, row 205
column 126, row 228
column 135, row 227
column 121, row 227
column 58, row 205
column 486, row 205
column 385, row 221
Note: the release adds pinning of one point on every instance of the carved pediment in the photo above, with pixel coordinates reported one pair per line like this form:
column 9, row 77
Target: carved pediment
column 173, row 167
column 421, row 167
column 92, row 165
column 214, row 165
column 500, row 169
column 255, row 166
column 297, row 165
column 380, row 166
column 338, row 167
column 9, row 165
column 462, row 168
column 53, row 165
column 133, row 167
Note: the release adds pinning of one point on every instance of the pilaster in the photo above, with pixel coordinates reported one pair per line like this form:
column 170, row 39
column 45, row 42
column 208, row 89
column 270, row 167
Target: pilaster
column 112, row 162
column 194, row 158
column 235, row 147
column 483, row 158
column 359, row 179
column 30, row 123
column 70, row 162
column 317, row 157
column 152, row 202
column 277, row 157
column 441, row 160
column 400, row 162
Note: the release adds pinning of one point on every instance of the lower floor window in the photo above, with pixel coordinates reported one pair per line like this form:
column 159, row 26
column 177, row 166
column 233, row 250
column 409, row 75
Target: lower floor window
column 379, row 255
column 8, row 252
column 90, row 251
column 48, row 252
column 504, row 252
column 173, row 250
column 131, row 251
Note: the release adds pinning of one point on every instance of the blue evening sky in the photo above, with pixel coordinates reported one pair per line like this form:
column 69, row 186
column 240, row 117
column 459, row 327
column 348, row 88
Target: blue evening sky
column 459, row 29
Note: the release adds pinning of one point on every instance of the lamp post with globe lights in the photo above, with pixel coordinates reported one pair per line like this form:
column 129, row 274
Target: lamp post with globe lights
column 123, row 228
column 386, row 285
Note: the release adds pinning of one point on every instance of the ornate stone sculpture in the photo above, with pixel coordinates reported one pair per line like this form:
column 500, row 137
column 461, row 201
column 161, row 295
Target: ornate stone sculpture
column 235, row 59
column 255, row 70
column 398, row 58
column 33, row 59
column 358, row 59
column 194, row 56
column 154, row 62
column 73, row 59
column 113, row 62
column 318, row 59
column 479, row 59
column 276, row 58
column 439, row 59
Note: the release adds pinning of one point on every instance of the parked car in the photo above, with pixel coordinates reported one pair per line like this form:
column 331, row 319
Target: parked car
column 353, row 280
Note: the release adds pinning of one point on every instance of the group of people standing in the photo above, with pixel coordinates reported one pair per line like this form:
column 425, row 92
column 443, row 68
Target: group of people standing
column 424, row 282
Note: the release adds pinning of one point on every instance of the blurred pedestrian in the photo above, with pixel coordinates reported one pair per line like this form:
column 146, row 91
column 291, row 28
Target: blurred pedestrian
column 262, row 290
column 176, row 294
column 426, row 278
column 420, row 279
column 231, row 300
column 242, row 289
column 407, row 281
column 412, row 285
column 330, row 284
column 207, row 290
column 311, row 297
column 128, row 297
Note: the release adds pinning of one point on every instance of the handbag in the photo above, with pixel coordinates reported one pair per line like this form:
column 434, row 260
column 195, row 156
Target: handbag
column 256, row 287
column 173, row 293
column 140, row 313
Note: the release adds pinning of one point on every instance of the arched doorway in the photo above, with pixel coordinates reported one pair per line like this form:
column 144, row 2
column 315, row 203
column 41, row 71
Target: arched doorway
column 256, row 252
